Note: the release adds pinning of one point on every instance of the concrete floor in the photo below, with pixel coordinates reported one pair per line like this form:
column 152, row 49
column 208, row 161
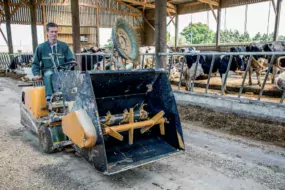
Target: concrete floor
column 212, row 160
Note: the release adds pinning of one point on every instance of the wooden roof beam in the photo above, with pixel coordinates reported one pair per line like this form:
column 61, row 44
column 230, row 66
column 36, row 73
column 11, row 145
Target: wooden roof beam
column 40, row 2
column 112, row 10
column 210, row 2
column 15, row 9
column 129, row 6
column 274, row 6
column 170, row 6
column 95, row 6
column 4, row 36
column 214, row 13
column 148, row 5
column 26, row 3
column 192, row 3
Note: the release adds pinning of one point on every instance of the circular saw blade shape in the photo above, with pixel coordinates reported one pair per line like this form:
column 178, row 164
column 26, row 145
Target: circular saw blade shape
column 124, row 40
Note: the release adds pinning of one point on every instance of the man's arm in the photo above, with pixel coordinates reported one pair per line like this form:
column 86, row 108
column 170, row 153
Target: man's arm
column 36, row 67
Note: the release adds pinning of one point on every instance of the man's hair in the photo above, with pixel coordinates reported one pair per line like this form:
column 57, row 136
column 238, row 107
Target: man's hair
column 51, row 24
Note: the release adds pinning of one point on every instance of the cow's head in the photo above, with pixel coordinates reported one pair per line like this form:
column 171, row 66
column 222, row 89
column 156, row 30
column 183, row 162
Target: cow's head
column 198, row 73
column 238, row 60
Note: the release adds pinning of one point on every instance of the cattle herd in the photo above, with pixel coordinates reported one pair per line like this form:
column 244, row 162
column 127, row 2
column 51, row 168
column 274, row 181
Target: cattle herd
column 196, row 65
column 258, row 63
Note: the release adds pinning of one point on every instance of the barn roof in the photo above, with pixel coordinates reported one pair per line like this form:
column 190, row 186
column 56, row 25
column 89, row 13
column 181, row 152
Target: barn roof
column 59, row 10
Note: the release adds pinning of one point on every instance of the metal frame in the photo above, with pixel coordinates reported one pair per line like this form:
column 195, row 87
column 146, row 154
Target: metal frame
column 214, row 54
column 5, row 60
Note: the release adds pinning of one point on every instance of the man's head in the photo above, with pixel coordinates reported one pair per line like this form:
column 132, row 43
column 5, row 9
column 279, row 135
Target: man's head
column 52, row 31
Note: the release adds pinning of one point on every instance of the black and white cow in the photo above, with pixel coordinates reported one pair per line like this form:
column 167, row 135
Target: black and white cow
column 92, row 60
column 261, row 62
column 220, row 65
column 21, row 60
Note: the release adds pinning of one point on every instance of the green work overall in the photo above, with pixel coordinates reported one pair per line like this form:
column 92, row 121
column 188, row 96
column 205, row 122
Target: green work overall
column 42, row 61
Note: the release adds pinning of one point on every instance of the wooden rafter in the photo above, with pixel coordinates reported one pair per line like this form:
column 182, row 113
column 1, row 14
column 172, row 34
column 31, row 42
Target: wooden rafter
column 4, row 36
column 26, row 3
column 129, row 6
column 274, row 6
column 210, row 2
column 112, row 10
column 147, row 5
column 170, row 6
column 137, row 10
column 15, row 9
column 145, row 19
column 144, row 5
column 95, row 6
column 213, row 12
column 42, row 1
column 171, row 18
column 192, row 4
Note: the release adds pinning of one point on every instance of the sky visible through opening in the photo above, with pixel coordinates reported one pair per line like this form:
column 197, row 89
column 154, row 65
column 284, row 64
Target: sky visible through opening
column 257, row 21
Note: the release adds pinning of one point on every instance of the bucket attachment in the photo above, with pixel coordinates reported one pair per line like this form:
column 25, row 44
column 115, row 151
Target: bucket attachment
column 133, row 112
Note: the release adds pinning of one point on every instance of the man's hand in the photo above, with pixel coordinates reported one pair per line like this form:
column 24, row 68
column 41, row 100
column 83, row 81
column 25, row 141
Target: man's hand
column 73, row 62
column 37, row 78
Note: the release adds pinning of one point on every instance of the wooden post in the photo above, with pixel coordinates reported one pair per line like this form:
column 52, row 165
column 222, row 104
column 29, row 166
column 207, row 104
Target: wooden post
column 245, row 21
column 75, row 26
column 97, row 28
column 160, row 33
column 176, row 29
column 8, row 26
column 44, row 21
column 33, row 11
column 4, row 36
column 218, row 28
column 277, row 20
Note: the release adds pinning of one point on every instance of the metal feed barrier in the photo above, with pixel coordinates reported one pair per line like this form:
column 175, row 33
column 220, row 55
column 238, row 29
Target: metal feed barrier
column 170, row 60
column 88, row 61
column 224, row 82
column 6, row 59
column 85, row 60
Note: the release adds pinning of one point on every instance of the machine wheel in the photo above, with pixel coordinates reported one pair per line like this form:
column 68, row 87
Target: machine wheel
column 45, row 139
column 124, row 39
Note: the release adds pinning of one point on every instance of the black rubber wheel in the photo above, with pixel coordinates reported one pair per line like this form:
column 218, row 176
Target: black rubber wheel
column 45, row 140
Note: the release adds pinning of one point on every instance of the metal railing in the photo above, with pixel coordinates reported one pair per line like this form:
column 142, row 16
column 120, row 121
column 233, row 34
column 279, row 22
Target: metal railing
column 90, row 61
column 272, row 56
column 5, row 60
column 107, row 61
column 15, row 61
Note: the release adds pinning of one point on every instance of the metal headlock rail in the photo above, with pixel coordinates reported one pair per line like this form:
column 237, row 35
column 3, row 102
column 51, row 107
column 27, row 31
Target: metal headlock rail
column 6, row 59
column 231, row 54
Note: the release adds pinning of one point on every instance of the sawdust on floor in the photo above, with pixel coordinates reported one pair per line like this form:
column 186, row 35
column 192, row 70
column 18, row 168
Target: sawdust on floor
column 257, row 129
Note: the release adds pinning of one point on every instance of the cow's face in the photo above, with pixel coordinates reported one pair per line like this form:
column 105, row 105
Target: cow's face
column 198, row 73
column 280, row 81
column 240, row 61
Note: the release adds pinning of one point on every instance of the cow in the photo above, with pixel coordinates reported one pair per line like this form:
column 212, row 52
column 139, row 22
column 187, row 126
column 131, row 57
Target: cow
column 21, row 60
column 261, row 62
column 220, row 64
column 280, row 80
column 92, row 60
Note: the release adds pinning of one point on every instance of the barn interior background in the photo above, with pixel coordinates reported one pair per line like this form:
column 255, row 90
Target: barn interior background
column 96, row 14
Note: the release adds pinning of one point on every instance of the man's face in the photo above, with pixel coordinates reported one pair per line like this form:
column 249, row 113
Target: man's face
column 52, row 33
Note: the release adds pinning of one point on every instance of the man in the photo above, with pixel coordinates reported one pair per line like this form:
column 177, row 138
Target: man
column 41, row 55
